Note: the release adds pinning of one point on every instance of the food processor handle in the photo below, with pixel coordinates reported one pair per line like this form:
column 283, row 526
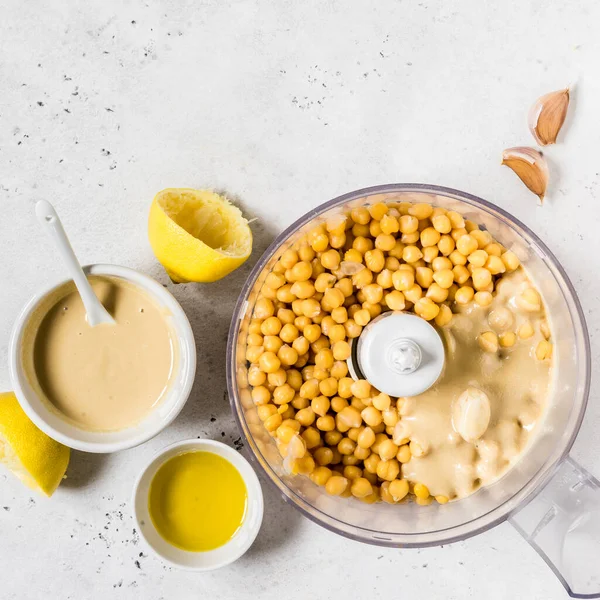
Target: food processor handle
column 562, row 524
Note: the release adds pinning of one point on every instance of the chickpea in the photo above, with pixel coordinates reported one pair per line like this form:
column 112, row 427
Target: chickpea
column 321, row 475
column 362, row 244
column 331, row 259
column 483, row 237
column 341, row 350
column 444, row 316
column 359, row 404
column 255, row 339
column 371, row 416
column 274, row 280
column 260, row 395
column 466, row 244
column 256, row 377
column 385, row 242
column 481, row 278
column 507, row 339
column 311, row 437
column 437, row 293
column 328, row 387
column 424, row 276
column 430, row 237
column 339, row 369
column 478, row 258
column 457, row 233
column 354, row 432
column 323, row 455
column 461, row 274
column 326, row 423
column 464, row 295
column 345, row 286
column 441, row 263
column 362, row 279
column 366, row 438
column 289, row 258
column 344, row 392
column 421, row 490
column 488, row 341
column 353, row 329
column 543, row 350
column 283, row 394
column 403, row 455
column 268, row 362
column 395, row 300
column 349, row 417
column 346, row 446
column 362, row 317
column 273, row 422
column 387, row 450
column 306, row 416
column 373, row 293
column 388, row 469
column 427, row 309
column 446, row 245
column 421, row 210
column 403, row 280
column 526, row 330
column 302, row 271
column 361, row 487
column 483, row 298
column 495, row 265
column 411, row 254
column 442, row 223
column 360, row 215
column 430, row 253
column 253, row 353
column 336, row 485
column 352, row 472
column 529, row 300
column 324, row 281
column 457, row 258
column 408, row 224
column 301, row 345
column 510, row 260
column 398, row 489
column 413, row 294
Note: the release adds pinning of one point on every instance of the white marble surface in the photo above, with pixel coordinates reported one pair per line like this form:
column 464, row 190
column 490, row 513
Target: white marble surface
column 284, row 105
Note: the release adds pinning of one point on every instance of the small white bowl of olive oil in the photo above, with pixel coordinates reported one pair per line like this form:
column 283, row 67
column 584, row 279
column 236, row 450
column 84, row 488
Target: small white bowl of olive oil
column 198, row 504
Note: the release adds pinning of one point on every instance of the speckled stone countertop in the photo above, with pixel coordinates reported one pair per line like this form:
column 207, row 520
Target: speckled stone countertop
column 283, row 105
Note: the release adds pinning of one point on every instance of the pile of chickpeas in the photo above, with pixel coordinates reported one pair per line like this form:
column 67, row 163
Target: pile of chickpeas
column 344, row 434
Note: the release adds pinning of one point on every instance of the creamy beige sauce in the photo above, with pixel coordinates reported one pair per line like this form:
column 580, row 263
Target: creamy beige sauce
column 516, row 383
column 107, row 377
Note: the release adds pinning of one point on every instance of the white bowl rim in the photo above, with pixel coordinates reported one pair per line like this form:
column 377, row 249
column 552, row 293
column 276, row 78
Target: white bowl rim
column 155, row 290
column 253, row 486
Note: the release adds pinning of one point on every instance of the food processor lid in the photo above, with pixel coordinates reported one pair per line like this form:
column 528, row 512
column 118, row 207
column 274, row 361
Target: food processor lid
column 398, row 353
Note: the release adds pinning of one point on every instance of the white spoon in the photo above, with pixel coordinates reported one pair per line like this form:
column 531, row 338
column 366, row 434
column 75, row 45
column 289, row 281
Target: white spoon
column 96, row 313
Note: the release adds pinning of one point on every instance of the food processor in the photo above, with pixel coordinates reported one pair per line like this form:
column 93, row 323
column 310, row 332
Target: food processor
column 551, row 500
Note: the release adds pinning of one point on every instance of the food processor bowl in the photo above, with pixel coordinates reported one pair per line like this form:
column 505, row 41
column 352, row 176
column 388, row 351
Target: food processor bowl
column 559, row 502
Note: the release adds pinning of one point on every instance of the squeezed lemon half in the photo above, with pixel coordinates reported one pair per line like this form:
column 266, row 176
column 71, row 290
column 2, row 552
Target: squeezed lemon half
column 36, row 459
column 197, row 235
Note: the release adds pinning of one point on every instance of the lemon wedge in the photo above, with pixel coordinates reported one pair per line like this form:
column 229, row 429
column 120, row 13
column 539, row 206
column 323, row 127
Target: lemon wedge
column 36, row 459
column 197, row 235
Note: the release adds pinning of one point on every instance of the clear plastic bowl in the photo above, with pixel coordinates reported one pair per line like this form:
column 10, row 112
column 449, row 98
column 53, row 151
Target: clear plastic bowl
column 411, row 525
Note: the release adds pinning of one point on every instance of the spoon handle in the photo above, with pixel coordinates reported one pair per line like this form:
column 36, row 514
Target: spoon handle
column 47, row 216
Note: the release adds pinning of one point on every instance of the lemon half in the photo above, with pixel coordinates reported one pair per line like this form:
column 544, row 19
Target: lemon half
column 197, row 235
column 38, row 460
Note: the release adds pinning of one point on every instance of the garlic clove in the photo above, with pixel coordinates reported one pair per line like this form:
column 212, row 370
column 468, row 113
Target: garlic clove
column 471, row 413
column 547, row 116
column 530, row 166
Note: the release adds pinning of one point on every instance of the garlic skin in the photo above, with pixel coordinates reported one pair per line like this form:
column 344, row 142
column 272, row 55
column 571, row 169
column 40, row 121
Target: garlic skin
column 530, row 166
column 547, row 116
column 471, row 413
